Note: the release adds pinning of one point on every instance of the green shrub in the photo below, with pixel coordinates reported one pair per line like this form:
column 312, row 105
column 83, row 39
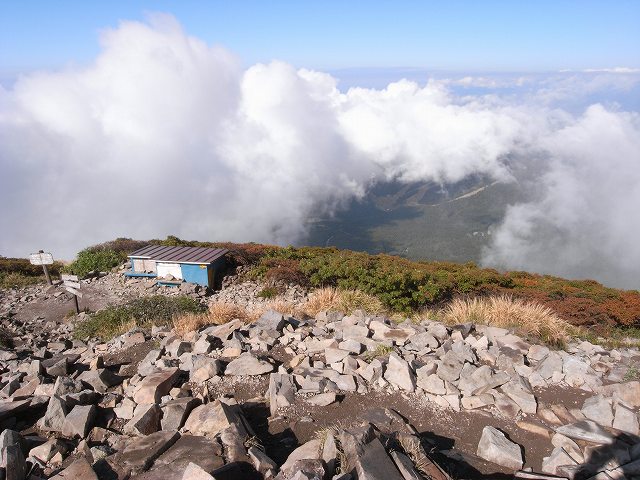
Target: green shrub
column 18, row 272
column 268, row 292
column 89, row 260
column 141, row 312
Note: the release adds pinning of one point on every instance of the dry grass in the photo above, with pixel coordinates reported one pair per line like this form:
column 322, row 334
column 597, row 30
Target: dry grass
column 504, row 311
column 346, row 301
column 218, row 313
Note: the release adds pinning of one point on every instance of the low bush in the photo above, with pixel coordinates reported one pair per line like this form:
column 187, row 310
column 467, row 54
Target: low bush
column 141, row 312
column 18, row 272
column 6, row 341
column 89, row 260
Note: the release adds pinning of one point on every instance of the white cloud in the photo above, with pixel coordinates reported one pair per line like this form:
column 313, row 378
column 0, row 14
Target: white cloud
column 164, row 134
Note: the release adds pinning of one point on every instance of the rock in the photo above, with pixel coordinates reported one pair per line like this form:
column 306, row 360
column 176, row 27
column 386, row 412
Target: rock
column 79, row 421
column 406, row 467
column 599, row 410
column 54, row 417
column 140, row 452
column 202, row 451
column 47, row 450
column 587, row 430
column 261, row 462
column 558, row 458
column 334, row 355
column 281, row 391
column 322, row 400
column 400, row 374
column 247, row 364
column 519, row 391
column 373, row 463
column 99, row 380
column 195, row 472
column 175, row 412
column 14, row 462
column 551, row 364
column 450, row 367
column 78, row 470
column 537, row 352
column 432, row 384
column 212, row 418
column 155, row 386
column 628, row 392
column 270, row 320
column 205, row 368
column 626, row 420
column 496, row 448
column 310, row 450
column 145, row 421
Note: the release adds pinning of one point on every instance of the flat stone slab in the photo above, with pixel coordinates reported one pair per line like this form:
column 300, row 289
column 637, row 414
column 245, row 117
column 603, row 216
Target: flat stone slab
column 322, row 400
column 587, row 430
column 202, row 451
column 247, row 364
column 140, row 452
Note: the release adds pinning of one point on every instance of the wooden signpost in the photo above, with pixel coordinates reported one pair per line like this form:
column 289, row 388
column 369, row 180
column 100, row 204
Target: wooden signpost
column 44, row 259
column 72, row 285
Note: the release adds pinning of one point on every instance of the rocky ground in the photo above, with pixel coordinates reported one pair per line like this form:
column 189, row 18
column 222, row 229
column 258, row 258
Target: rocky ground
column 333, row 396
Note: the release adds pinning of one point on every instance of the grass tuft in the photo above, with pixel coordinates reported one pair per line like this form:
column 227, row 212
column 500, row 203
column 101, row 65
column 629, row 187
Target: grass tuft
column 217, row 314
column 347, row 301
column 527, row 317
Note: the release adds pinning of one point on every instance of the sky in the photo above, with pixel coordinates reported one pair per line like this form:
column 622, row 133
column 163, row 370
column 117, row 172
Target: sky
column 491, row 35
column 240, row 121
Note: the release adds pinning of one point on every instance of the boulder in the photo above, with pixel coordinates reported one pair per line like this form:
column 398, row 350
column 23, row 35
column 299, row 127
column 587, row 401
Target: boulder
column 248, row 364
column 79, row 421
column 212, row 418
column 496, row 448
column 399, row 373
column 145, row 421
column 155, row 386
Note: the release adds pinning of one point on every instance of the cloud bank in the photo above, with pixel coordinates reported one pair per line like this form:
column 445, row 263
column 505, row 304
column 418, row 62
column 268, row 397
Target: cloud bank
column 164, row 134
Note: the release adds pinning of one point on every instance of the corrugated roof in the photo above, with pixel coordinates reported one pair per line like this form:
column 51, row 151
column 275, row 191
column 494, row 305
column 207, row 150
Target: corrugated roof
column 179, row 254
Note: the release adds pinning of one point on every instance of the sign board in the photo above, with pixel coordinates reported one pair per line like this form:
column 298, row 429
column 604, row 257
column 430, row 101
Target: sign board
column 41, row 258
column 77, row 293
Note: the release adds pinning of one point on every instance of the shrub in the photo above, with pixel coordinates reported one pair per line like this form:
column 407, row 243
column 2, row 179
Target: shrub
column 90, row 259
column 141, row 312
column 346, row 301
column 268, row 292
column 18, row 272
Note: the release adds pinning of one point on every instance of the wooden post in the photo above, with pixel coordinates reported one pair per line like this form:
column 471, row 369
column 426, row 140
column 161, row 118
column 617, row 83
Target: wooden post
column 75, row 299
column 46, row 271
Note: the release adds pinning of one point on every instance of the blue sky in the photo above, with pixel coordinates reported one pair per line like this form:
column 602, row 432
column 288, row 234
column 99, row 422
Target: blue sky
column 329, row 35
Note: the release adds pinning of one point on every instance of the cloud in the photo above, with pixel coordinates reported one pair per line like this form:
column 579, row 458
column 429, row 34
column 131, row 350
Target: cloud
column 164, row 134
column 586, row 223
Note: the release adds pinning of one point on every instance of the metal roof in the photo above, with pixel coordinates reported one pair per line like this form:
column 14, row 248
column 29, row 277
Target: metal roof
column 179, row 254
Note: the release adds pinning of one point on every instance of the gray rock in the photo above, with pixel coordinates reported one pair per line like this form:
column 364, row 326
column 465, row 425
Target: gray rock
column 405, row 466
column 54, row 417
column 558, row 458
column 520, row 392
column 14, row 462
column 551, row 364
column 140, row 452
column 450, row 367
column 432, row 384
column 175, row 412
column 202, row 451
column 195, row 472
column 399, row 373
column 155, row 386
column 599, row 410
column 100, row 380
column 212, row 418
column 78, row 470
column 79, row 421
column 496, row 448
column 247, row 364
column 334, row 355
column 145, row 421
column 205, row 368
column 281, row 391
column 626, row 420
column 261, row 462
column 587, row 430
column 322, row 400
column 308, row 451
column 270, row 320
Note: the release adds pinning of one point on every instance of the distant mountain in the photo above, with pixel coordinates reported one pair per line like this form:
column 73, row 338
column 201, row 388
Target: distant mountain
column 421, row 220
